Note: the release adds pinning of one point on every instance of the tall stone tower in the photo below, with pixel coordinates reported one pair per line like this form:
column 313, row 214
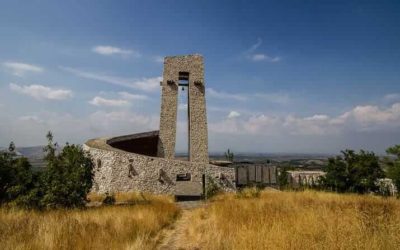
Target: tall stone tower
column 186, row 71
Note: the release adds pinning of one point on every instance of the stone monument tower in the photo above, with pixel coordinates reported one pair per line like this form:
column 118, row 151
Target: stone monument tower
column 144, row 162
column 186, row 71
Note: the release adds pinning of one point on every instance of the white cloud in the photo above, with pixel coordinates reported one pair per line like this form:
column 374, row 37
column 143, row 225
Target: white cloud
column 20, row 69
column 264, row 124
column 274, row 59
column 254, row 56
column 129, row 96
column 279, row 98
column 148, row 84
column 233, row 114
column 227, row 126
column 144, row 84
column 41, row 92
column 31, row 129
column 223, row 95
column 100, row 101
column 371, row 117
column 360, row 118
column 312, row 125
column 110, row 50
column 264, row 57
column 259, row 57
column 124, row 99
column 124, row 122
column 248, row 132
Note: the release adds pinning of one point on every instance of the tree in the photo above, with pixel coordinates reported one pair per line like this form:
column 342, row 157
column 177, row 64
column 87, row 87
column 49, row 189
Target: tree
column 5, row 174
column 283, row 177
column 229, row 155
column 18, row 182
column 337, row 175
column 393, row 165
column 353, row 172
column 68, row 176
column 23, row 192
column 64, row 182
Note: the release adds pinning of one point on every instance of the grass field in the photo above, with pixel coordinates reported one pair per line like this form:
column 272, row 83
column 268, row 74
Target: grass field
column 107, row 227
column 248, row 220
column 294, row 220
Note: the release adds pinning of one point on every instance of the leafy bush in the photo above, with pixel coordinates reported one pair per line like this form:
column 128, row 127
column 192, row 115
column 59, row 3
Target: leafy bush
column 6, row 177
column 283, row 177
column 65, row 182
column 353, row 172
column 18, row 182
column 393, row 166
column 68, row 176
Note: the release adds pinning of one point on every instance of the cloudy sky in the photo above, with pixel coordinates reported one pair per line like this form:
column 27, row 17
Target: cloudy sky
column 281, row 76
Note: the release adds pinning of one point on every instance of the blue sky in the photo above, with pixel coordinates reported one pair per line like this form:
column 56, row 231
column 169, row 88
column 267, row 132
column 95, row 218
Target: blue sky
column 281, row 76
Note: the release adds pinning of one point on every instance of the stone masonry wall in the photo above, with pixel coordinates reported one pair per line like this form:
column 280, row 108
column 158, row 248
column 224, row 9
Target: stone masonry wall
column 119, row 171
column 168, row 115
column 198, row 135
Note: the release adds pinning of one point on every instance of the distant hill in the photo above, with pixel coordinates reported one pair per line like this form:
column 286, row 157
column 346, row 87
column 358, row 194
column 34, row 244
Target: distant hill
column 31, row 152
column 35, row 155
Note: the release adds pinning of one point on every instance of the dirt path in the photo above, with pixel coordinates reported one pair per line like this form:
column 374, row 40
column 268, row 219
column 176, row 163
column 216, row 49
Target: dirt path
column 169, row 236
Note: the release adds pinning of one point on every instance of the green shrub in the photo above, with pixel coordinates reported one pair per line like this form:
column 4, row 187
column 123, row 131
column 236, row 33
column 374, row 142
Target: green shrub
column 65, row 182
column 68, row 176
column 18, row 184
column 6, row 176
column 353, row 172
column 393, row 166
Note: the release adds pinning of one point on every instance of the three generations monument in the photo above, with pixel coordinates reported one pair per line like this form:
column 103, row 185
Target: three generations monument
column 145, row 162
column 185, row 71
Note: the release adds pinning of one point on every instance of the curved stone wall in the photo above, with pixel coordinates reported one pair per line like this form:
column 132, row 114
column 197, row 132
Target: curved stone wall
column 117, row 170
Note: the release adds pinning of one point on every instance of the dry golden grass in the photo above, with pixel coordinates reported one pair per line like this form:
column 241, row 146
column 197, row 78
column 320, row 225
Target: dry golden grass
column 109, row 227
column 130, row 197
column 294, row 220
column 96, row 197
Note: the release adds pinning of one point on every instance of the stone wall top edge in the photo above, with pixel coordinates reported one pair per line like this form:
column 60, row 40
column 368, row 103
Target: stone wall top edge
column 184, row 56
column 101, row 144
